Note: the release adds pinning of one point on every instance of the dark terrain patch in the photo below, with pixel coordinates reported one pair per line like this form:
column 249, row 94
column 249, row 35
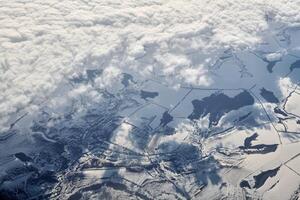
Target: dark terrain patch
column 93, row 73
column 271, row 65
column 279, row 111
column 248, row 140
column 261, row 149
column 219, row 104
column 260, row 179
column 295, row 65
column 257, row 149
column 146, row 94
column 245, row 184
column 127, row 79
column 268, row 96
column 166, row 118
column 23, row 157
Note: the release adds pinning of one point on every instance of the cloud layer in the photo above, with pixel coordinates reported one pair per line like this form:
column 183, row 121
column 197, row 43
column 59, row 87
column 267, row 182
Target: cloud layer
column 44, row 43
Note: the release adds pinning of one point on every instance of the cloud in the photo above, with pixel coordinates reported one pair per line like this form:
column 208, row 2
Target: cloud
column 43, row 43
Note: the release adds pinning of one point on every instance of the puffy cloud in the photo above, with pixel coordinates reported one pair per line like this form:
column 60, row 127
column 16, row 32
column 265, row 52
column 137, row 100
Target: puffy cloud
column 276, row 56
column 196, row 76
column 286, row 86
column 108, row 78
column 43, row 43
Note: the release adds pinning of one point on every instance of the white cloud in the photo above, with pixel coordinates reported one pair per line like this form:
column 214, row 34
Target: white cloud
column 43, row 42
column 196, row 76
column 276, row 56
column 108, row 78
column 286, row 86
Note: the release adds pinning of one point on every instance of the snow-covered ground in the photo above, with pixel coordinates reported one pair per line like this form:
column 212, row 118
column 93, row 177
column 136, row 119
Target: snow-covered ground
column 150, row 99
